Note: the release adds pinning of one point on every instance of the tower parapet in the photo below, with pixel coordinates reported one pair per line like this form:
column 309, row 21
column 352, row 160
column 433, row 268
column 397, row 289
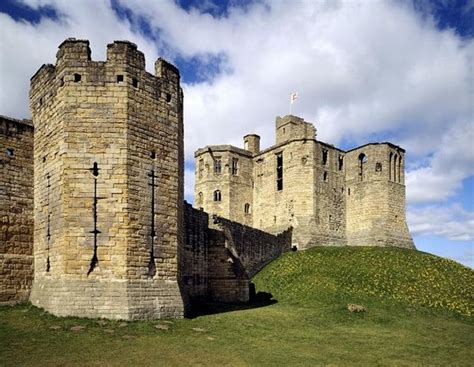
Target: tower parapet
column 108, row 185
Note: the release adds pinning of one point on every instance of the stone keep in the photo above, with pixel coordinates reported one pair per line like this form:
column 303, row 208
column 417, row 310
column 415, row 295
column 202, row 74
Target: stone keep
column 108, row 185
column 328, row 195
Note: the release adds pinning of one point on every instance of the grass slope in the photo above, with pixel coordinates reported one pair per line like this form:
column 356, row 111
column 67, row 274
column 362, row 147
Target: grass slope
column 366, row 274
column 417, row 314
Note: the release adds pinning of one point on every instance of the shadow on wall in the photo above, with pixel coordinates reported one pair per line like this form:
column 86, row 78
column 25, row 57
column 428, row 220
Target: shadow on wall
column 205, row 307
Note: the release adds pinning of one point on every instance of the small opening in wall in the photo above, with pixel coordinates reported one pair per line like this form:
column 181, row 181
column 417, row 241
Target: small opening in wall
column 77, row 78
column 135, row 82
column 341, row 162
column 44, row 159
column 349, row 191
column 168, row 97
column 41, row 101
column 217, row 195
column 294, row 248
column 10, row 152
column 247, row 208
column 325, row 157
column 61, row 82
column 325, row 176
column 119, row 78
column 153, row 154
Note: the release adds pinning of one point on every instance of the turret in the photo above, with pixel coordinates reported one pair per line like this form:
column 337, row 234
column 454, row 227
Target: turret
column 252, row 143
column 108, row 185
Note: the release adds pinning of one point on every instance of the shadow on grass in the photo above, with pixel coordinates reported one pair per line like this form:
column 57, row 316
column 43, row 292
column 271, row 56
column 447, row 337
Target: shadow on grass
column 257, row 300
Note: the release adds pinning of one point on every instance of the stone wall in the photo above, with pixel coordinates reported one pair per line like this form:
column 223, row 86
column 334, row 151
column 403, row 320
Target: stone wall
column 306, row 184
column 252, row 247
column 16, row 210
column 221, row 256
column 109, row 184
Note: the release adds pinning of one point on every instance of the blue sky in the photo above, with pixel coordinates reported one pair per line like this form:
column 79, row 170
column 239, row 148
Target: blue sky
column 399, row 71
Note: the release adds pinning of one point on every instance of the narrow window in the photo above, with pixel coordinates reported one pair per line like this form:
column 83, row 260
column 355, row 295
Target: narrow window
column 119, row 78
column 235, row 163
column 349, row 191
column 77, row 78
column 279, row 158
column 135, row 83
column 200, row 167
column 217, row 165
column 362, row 161
column 217, row 195
column 325, row 176
column 10, row 152
column 399, row 169
column 390, row 166
column 168, row 97
column 325, row 157
column 247, row 208
column 199, row 199
column 394, row 175
column 340, row 162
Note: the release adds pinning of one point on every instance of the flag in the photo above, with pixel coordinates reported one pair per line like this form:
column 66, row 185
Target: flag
column 293, row 97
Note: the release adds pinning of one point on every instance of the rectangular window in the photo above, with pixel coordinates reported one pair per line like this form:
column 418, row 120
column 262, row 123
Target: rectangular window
column 201, row 167
column 341, row 162
column 235, row 164
column 279, row 180
column 217, row 165
column 325, row 157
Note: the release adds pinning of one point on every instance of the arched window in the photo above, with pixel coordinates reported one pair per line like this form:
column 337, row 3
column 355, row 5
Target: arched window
column 217, row 195
column 390, row 166
column 247, row 208
column 394, row 175
column 399, row 169
column 200, row 198
column 362, row 161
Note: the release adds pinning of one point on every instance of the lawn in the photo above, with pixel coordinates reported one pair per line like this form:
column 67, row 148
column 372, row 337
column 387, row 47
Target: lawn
column 308, row 325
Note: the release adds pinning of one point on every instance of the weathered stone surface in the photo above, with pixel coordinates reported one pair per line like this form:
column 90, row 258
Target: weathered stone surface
column 327, row 195
column 16, row 210
column 113, row 124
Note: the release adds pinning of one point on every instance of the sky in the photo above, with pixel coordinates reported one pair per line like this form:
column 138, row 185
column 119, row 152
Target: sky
column 366, row 71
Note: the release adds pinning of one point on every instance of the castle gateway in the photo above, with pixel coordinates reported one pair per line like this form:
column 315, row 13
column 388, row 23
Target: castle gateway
column 329, row 196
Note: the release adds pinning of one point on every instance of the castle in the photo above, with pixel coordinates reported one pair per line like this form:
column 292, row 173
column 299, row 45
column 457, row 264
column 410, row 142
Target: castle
column 327, row 195
column 94, row 223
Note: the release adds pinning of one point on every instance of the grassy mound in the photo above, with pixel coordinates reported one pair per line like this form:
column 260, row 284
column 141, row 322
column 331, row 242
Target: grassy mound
column 392, row 275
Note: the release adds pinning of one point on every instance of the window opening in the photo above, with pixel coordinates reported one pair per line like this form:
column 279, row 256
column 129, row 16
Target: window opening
column 235, row 163
column 217, row 195
column 279, row 181
column 168, row 97
column 77, row 78
column 10, row 152
column 325, row 176
column 119, row 78
column 135, row 83
column 217, row 165
column 362, row 161
column 325, row 157
column 247, row 208
column 340, row 162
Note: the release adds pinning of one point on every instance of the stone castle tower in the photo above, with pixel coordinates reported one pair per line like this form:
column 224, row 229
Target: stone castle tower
column 108, row 177
column 329, row 196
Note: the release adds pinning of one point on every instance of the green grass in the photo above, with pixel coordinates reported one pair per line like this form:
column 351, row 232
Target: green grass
column 418, row 309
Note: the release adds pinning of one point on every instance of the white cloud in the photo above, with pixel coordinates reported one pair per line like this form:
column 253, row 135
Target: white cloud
column 25, row 47
column 361, row 68
column 452, row 222
column 449, row 166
